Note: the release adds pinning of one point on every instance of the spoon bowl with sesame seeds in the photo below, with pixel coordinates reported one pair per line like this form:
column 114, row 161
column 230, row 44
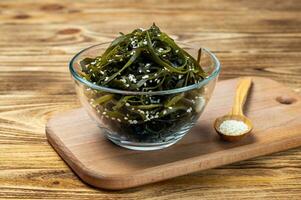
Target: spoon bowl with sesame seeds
column 236, row 125
column 143, row 90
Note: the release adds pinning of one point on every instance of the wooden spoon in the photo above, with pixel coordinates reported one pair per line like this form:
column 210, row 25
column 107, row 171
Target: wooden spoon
column 237, row 112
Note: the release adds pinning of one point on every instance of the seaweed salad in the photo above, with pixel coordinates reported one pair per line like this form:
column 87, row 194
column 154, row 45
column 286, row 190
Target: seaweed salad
column 144, row 61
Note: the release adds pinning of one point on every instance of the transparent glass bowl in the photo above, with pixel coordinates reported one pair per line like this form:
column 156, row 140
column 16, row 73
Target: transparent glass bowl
column 155, row 132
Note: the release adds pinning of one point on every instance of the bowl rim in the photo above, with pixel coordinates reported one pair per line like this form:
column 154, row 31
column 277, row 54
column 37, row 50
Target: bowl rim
column 199, row 84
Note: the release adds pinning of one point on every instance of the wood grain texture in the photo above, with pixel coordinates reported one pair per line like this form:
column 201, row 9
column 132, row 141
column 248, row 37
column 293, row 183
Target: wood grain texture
column 84, row 147
column 38, row 38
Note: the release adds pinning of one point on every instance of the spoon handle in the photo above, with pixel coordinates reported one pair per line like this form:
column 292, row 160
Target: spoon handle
column 242, row 90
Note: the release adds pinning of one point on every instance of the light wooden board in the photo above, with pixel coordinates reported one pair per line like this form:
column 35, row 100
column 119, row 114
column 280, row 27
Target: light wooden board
column 274, row 110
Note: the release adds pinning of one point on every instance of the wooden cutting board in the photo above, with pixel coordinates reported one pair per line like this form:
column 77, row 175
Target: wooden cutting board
column 274, row 109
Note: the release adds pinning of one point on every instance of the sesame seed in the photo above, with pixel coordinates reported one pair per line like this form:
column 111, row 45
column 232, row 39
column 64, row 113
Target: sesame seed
column 107, row 78
column 145, row 76
column 189, row 110
column 118, row 120
column 233, row 127
column 132, row 78
column 113, row 118
column 127, row 104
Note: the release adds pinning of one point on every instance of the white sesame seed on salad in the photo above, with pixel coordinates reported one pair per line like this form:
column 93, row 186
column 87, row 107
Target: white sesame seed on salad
column 123, row 80
column 132, row 78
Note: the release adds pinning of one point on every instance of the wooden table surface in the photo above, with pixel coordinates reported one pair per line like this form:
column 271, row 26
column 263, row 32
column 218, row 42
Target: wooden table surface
column 38, row 38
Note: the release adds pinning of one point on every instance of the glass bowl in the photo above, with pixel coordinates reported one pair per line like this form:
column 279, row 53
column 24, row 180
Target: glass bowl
column 155, row 130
